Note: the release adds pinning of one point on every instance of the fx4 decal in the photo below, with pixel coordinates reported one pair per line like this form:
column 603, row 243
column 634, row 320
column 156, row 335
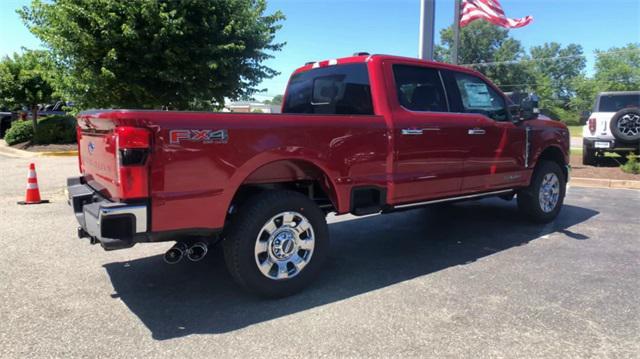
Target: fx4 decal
column 204, row 136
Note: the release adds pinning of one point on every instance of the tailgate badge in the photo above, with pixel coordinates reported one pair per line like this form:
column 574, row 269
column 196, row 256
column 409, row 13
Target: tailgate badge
column 91, row 147
column 204, row 136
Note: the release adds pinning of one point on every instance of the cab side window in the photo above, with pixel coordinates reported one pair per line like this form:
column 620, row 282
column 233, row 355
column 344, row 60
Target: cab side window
column 331, row 90
column 420, row 88
column 478, row 97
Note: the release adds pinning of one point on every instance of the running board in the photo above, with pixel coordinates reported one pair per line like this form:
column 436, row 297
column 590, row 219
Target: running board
column 452, row 199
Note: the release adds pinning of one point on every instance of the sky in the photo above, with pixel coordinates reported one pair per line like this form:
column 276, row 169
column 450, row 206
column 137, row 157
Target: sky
column 325, row 29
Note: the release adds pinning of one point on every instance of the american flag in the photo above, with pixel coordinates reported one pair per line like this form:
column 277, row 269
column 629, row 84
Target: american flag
column 490, row 10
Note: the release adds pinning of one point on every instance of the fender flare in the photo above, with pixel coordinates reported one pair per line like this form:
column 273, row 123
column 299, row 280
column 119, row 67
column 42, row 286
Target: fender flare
column 300, row 155
column 553, row 152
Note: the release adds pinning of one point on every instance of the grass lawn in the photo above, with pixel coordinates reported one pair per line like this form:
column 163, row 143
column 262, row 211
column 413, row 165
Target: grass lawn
column 575, row 131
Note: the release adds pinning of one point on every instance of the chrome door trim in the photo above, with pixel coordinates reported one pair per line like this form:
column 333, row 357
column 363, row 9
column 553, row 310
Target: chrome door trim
column 476, row 131
column 411, row 131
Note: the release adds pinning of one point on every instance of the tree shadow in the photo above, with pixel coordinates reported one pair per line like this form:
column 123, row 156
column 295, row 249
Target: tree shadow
column 367, row 254
column 610, row 161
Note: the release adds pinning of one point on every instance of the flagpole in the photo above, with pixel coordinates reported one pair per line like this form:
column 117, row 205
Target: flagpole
column 456, row 32
column 427, row 29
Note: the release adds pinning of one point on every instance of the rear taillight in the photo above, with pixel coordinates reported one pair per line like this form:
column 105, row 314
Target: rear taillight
column 132, row 150
column 592, row 126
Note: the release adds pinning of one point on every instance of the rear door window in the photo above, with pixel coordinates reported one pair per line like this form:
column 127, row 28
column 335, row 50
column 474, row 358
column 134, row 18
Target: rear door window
column 332, row 90
column 420, row 88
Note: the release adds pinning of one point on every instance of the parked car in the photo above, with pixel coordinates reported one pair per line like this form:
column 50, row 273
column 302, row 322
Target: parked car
column 6, row 117
column 614, row 126
column 53, row 109
column 361, row 135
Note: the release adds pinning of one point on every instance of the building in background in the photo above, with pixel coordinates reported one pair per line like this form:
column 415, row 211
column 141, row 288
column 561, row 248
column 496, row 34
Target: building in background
column 251, row 106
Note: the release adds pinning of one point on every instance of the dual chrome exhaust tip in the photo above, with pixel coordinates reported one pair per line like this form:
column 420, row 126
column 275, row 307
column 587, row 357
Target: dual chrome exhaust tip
column 194, row 253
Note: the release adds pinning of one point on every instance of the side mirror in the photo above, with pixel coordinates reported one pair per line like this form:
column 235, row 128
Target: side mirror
column 529, row 108
column 514, row 110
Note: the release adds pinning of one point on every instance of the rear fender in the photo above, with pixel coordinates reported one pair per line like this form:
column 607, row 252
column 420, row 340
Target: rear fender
column 280, row 165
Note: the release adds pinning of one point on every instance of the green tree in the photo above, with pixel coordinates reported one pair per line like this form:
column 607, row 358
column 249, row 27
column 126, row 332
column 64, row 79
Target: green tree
column 26, row 81
column 490, row 50
column 555, row 70
column 561, row 65
column 276, row 100
column 153, row 54
column 618, row 69
column 586, row 90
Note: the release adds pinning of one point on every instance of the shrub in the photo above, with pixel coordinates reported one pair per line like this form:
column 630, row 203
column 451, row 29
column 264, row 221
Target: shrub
column 632, row 166
column 20, row 131
column 570, row 118
column 56, row 129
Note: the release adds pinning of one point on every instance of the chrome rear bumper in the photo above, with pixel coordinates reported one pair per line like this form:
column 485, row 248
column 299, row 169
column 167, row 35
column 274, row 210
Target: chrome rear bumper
column 115, row 225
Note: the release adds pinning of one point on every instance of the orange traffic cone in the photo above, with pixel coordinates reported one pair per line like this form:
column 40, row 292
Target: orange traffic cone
column 33, row 193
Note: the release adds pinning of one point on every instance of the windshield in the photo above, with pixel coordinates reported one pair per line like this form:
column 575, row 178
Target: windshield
column 342, row 89
column 615, row 103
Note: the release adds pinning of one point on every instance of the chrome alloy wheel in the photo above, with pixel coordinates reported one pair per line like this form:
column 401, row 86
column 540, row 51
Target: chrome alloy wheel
column 549, row 192
column 629, row 124
column 284, row 246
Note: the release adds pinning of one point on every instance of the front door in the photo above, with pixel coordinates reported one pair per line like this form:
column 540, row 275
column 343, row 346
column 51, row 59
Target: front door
column 496, row 145
column 496, row 156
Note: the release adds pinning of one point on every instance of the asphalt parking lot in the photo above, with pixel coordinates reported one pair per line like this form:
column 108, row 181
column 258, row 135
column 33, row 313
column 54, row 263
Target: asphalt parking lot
column 467, row 280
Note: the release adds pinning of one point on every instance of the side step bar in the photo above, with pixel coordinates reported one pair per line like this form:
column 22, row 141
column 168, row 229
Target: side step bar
column 452, row 199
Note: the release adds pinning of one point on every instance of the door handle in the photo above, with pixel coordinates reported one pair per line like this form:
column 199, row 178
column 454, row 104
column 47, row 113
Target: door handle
column 476, row 131
column 411, row 131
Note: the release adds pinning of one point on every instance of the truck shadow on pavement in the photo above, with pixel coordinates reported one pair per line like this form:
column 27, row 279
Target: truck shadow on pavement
column 367, row 254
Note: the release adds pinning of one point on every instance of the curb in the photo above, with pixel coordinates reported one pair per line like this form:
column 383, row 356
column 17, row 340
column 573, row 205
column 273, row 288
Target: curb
column 17, row 153
column 14, row 152
column 604, row 183
column 59, row 153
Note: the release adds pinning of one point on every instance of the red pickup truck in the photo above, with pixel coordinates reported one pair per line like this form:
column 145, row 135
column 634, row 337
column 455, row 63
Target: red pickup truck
column 363, row 134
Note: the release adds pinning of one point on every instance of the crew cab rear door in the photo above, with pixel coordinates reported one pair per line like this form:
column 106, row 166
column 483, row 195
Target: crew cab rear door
column 429, row 141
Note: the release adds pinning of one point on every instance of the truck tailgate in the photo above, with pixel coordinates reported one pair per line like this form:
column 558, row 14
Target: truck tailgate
column 114, row 155
column 97, row 151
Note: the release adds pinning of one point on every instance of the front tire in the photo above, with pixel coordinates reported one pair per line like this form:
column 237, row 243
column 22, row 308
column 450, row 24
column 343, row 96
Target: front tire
column 542, row 200
column 276, row 244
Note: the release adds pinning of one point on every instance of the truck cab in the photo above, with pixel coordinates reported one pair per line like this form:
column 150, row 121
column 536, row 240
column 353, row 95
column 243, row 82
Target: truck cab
column 363, row 134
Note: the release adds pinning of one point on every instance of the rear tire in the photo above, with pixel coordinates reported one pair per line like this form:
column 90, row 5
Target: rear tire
column 276, row 244
column 588, row 156
column 542, row 200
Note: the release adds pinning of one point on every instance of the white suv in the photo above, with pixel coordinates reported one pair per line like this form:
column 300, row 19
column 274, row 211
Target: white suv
column 614, row 126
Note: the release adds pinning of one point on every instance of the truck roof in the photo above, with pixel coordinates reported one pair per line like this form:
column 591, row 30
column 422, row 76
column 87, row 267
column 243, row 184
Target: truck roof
column 359, row 58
